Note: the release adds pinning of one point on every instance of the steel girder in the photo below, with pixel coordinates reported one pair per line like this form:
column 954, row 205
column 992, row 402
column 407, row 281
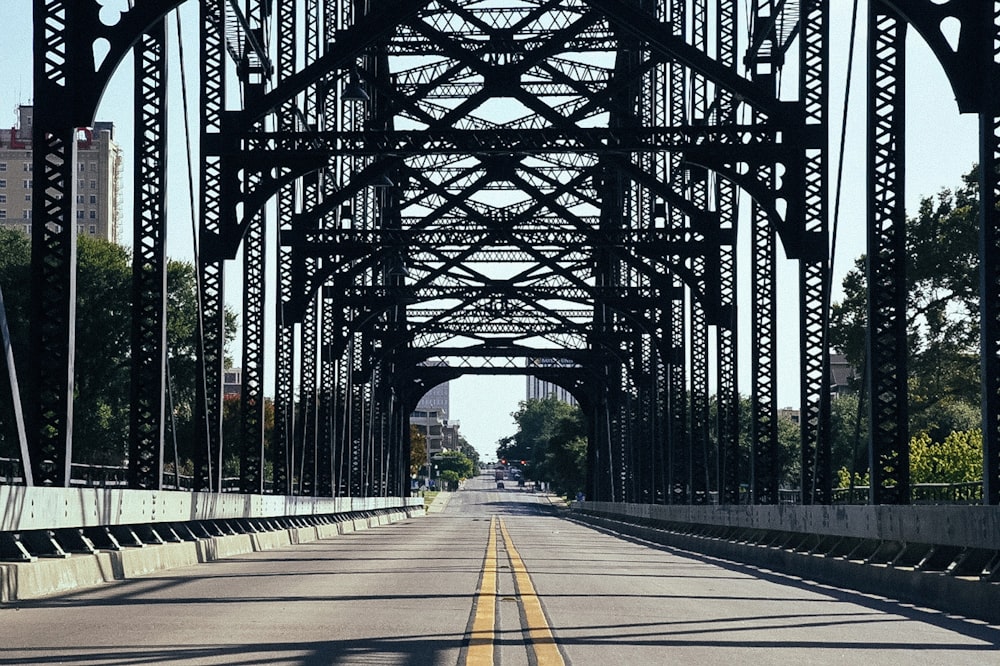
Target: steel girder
column 889, row 460
column 253, row 68
column 211, row 267
column 814, row 266
column 149, row 265
column 972, row 66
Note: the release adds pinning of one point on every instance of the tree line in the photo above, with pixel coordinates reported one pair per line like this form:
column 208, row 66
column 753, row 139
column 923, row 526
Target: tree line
column 103, row 355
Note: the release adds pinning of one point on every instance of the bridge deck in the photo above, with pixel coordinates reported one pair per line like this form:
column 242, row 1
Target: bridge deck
column 411, row 593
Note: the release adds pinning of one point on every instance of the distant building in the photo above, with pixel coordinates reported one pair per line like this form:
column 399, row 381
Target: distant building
column 792, row 415
column 539, row 390
column 98, row 171
column 232, row 381
column 430, row 423
column 438, row 398
column 842, row 375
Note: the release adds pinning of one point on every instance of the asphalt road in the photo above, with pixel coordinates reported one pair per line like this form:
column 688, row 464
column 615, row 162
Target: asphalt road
column 411, row 593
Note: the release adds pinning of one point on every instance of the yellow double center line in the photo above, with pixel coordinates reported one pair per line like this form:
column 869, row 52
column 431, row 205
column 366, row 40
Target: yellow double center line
column 480, row 652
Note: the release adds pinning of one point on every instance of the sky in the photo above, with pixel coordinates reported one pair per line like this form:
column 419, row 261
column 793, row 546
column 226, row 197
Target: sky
column 941, row 146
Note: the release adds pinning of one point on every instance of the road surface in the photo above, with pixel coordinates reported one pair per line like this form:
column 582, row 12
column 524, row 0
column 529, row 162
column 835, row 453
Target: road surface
column 493, row 577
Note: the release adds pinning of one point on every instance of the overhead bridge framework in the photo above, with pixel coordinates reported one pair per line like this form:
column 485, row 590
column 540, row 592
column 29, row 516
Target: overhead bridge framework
column 462, row 186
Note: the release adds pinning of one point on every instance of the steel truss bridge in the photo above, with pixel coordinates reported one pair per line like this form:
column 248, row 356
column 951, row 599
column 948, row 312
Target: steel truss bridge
column 470, row 186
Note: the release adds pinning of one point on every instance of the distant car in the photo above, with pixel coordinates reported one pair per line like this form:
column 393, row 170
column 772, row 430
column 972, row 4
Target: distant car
column 499, row 485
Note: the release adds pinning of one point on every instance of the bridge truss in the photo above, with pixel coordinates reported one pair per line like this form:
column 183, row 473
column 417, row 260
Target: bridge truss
column 469, row 186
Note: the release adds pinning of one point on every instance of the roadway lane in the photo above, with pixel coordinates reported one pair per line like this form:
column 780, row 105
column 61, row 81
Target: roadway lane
column 406, row 594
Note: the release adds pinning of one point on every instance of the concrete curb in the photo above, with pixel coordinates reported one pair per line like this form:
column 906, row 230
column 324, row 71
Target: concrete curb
column 46, row 577
column 962, row 596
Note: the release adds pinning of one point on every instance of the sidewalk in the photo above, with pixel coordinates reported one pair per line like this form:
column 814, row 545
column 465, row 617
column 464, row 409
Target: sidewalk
column 440, row 502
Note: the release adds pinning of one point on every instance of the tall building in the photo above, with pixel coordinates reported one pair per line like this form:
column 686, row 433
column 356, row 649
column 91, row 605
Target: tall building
column 539, row 390
column 431, row 415
column 437, row 399
column 98, row 192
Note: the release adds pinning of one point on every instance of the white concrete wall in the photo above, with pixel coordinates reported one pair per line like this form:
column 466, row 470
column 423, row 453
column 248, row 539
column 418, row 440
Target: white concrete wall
column 950, row 525
column 38, row 508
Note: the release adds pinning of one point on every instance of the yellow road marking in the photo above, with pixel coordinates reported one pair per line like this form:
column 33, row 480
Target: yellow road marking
column 542, row 642
column 480, row 651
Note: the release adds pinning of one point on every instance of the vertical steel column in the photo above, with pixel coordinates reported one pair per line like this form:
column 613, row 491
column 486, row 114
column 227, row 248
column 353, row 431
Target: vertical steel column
column 253, row 78
column 252, row 389
column 356, row 414
column 309, row 360
column 282, row 458
column 326, row 463
column 679, row 465
column 698, row 194
column 886, row 268
column 309, row 357
column 53, row 246
column 208, row 408
column 989, row 258
column 327, row 475
column 343, row 450
column 726, row 332
column 814, row 268
column 765, row 472
column 149, row 263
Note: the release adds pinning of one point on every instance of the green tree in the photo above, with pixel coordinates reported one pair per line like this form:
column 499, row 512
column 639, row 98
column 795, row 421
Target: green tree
column 15, row 281
column 418, row 450
column 455, row 461
column 469, row 450
column 564, row 464
column 956, row 459
column 551, row 437
column 942, row 267
column 101, row 397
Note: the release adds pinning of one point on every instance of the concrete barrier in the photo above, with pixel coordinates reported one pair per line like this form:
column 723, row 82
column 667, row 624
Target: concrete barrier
column 133, row 562
column 952, row 569
column 47, row 577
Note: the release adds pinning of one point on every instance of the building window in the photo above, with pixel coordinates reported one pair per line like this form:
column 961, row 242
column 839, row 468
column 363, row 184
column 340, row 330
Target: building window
column 79, row 198
column 27, row 184
column 93, row 214
column 83, row 167
column 27, row 197
column 79, row 228
column 93, row 198
column 3, row 166
column 3, row 183
column 93, row 166
column 3, row 198
column 27, row 166
column 27, row 229
column 79, row 214
column 26, row 214
column 93, row 230
column 93, row 184
column 3, row 214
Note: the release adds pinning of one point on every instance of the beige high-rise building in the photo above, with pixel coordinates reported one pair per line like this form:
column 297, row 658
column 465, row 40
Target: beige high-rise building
column 98, row 172
column 538, row 389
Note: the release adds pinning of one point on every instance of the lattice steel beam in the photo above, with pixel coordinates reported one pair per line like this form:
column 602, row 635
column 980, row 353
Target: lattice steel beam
column 149, row 264
column 886, row 259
